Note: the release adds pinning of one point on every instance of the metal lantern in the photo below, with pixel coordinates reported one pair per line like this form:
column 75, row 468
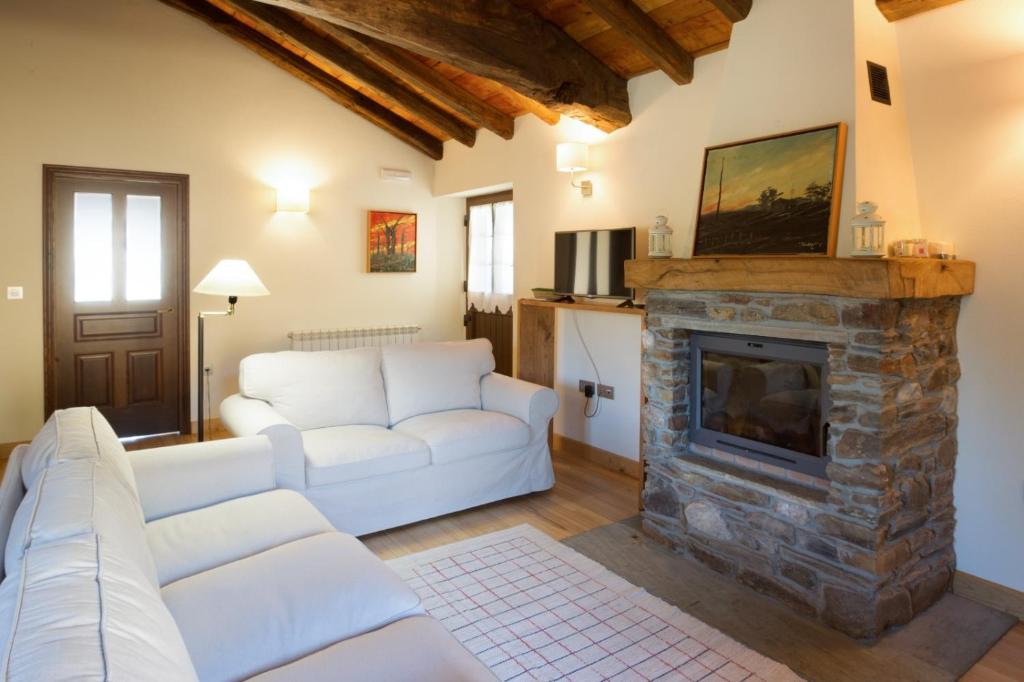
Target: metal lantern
column 659, row 239
column 868, row 231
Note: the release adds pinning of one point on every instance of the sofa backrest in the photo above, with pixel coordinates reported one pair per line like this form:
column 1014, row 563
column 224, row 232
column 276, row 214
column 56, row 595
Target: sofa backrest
column 80, row 593
column 433, row 377
column 318, row 389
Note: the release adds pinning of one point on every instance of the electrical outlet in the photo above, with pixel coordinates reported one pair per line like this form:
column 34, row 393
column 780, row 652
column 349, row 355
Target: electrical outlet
column 606, row 391
column 15, row 293
column 584, row 385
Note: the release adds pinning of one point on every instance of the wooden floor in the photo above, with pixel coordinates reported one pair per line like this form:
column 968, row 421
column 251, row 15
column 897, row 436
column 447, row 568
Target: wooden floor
column 587, row 496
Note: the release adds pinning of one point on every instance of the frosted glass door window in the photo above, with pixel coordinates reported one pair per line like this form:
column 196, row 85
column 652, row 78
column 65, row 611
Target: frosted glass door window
column 142, row 248
column 93, row 247
column 490, row 277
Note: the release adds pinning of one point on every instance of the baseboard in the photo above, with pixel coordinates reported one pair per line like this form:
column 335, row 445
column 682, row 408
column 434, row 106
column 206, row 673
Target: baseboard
column 608, row 460
column 992, row 594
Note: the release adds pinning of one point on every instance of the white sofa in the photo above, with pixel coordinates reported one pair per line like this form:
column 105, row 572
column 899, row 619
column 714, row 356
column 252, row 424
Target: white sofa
column 382, row 437
column 185, row 563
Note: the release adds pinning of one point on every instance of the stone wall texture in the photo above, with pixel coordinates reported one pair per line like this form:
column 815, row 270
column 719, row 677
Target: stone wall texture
column 873, row 545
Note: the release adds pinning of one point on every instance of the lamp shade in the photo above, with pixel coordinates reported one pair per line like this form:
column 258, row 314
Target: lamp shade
column 231, row 278
column 571, row 157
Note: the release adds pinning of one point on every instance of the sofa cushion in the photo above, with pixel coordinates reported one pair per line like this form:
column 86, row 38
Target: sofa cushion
column 185, row 544
column 74, row 497
column 432, row 377
column 348, row 453
column 76, row 433
column 458, row 434
column 269, row 609
column 317, row 389
column 75, row 610
column 416, row 648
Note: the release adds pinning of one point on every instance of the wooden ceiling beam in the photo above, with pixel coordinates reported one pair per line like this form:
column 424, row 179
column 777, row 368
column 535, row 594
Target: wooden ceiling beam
column 344, row 95
column 531, row 105
column 280, row 25
column 734, row 10
column 406, row 67
column 647, row 36
column 895, row 10
column 497, row 40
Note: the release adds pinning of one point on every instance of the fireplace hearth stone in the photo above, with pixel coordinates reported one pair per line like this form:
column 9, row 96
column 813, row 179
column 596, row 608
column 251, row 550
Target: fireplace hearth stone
column 870, row 545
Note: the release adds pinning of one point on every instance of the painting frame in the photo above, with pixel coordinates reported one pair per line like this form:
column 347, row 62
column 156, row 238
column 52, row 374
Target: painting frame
column 829, row 230
column 400, row 263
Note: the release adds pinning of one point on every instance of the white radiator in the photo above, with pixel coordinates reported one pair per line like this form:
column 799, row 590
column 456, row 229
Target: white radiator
column 355, row 337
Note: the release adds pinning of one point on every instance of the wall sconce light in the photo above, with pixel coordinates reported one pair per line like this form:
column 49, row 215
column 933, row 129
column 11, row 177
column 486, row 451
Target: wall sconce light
column 293, row 198
column 572, row 158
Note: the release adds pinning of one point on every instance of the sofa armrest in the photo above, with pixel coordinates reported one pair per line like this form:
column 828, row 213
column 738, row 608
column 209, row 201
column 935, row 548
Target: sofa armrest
column 250, row 417
column 179, row 478
column 533, row 404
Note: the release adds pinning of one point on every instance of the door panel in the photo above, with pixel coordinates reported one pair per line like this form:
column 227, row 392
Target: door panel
column 116, row 296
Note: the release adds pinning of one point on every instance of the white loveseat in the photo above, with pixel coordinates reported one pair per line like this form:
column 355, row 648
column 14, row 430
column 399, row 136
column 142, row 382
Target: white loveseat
column 381, row 437
column 185, row 563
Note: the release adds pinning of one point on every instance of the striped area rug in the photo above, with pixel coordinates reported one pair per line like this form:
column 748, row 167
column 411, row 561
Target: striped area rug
column 533, row 609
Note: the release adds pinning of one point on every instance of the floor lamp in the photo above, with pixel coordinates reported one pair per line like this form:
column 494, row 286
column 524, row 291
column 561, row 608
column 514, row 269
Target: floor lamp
column 231, row 278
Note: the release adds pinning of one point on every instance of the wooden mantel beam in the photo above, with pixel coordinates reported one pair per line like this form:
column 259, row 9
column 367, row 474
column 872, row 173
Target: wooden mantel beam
column 347, row 97
column 407, row 68
column 281, row 25
column 648, row 37
column 495, row 39
column 734, row 10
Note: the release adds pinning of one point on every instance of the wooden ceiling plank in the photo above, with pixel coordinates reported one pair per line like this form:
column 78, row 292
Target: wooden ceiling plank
column 734, row 10
column 344, row 95
column 281, row 25
column 894, row 10
column 408, row 68
column 496, row 40
column 648, row 37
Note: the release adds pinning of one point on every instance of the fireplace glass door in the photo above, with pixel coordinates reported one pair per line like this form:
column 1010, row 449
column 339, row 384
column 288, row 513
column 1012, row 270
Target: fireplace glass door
column 761, row 398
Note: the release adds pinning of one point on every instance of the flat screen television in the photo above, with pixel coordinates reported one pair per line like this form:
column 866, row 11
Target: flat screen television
column 592, row 263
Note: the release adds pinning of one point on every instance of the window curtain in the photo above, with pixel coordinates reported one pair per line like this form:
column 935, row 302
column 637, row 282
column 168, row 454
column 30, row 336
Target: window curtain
column 489, row 282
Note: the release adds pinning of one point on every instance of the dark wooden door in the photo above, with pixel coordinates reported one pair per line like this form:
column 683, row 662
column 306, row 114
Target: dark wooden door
column 494, row 324
column 117, row 296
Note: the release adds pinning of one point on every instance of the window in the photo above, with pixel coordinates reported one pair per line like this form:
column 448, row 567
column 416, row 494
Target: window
column 143, row 258
column 489, row 281
column 93, row 232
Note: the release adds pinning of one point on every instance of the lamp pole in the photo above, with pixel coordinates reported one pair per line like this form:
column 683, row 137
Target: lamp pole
column 232, row 300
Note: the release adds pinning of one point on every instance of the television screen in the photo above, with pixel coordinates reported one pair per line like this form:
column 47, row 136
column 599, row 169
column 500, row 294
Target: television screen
column 593, row 262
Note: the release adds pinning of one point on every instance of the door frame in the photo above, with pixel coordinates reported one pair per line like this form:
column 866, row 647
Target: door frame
column 53, row 172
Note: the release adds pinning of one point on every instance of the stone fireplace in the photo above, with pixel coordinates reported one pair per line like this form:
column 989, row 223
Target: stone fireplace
column 864, row 542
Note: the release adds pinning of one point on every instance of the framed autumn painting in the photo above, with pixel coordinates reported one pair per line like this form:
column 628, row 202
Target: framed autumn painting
column 390, row 242
column 771, row 196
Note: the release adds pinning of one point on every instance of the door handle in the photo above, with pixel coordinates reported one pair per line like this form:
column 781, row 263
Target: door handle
column 164, row 310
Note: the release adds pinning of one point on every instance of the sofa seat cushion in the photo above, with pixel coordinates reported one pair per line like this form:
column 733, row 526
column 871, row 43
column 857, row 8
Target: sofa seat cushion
column 416, row 648
column 349, row 453
column 272, row 608
column 76, row 610
column 317, row 389
column 431, row 377
column 459, row 434
column 186, row 544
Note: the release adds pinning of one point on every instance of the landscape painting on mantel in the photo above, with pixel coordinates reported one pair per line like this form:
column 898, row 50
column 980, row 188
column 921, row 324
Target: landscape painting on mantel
column 772, row 195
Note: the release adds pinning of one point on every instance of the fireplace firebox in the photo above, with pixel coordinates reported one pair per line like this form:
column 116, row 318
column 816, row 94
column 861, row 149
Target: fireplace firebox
column 766, row 399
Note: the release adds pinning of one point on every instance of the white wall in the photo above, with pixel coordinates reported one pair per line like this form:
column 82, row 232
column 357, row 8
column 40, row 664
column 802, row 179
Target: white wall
column 135, row 84
column 963, row 69
column 614, row 343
